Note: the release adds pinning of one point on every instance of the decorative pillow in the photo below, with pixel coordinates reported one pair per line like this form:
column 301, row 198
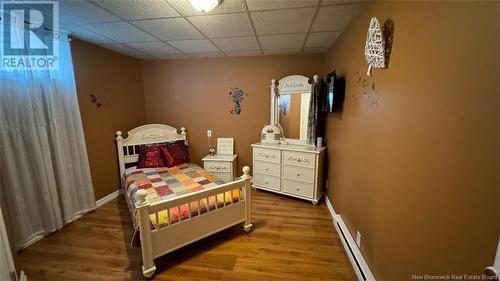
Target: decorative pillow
column 150, row 157
column 175, row 154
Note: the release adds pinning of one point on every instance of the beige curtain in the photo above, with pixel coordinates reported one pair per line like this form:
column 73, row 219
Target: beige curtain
column 44, row 177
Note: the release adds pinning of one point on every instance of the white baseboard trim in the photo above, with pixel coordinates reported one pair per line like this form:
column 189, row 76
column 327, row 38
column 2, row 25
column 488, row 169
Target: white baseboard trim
column 358, row 262
column 330, row 207
column 106, row 199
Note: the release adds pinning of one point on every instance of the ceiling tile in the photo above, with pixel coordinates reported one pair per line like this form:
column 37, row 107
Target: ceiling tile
column 322, row 39
column 170, row 29
column 254, row 5
column 84, row 12
column 194, row 46
column 335, row 18
column 237, row 43
column 227, row 6
column 223, row 25
column 340, row 2
column 282, row 51
column 121, row 32
column 282, row 21
column 90, row 36
column 284, row 41
column 243, row 53
column 124, row 49
column 154, row 48
column 76, row 31
column 134, row 10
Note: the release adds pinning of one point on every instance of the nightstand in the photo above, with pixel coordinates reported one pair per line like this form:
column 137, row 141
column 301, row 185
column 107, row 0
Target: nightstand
column 223, row 166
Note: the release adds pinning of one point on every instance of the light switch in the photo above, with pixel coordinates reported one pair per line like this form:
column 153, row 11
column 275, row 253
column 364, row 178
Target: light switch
column 209, row 133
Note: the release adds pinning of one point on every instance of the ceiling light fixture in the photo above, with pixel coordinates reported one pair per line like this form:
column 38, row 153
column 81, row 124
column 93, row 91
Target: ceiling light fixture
column 204, row 6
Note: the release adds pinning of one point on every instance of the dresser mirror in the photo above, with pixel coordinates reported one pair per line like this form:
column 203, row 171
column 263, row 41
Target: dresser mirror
column 290, row 98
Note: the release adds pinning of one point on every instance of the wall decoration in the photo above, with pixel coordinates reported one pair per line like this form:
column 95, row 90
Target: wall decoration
column 93, row 99
column 368, row 92
column 375, row 46
column 236, row 95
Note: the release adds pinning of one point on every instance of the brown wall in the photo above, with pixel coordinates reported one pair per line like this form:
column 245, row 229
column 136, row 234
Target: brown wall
column 116, row 80
column 414, row 163
column 194, row 94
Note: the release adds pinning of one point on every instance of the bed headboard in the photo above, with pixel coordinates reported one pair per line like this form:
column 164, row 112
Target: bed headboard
column 128, row 148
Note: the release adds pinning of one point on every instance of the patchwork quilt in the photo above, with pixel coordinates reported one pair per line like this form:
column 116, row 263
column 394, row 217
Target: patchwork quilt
column 163, row 184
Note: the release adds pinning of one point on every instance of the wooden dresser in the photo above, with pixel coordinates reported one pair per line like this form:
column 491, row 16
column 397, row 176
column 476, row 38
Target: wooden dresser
column 293, row 170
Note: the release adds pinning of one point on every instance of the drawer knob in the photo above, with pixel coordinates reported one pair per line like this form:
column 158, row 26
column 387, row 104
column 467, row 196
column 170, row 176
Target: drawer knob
column 267, row 169
column 298, row 188
column 267, row 182
column 298, row 174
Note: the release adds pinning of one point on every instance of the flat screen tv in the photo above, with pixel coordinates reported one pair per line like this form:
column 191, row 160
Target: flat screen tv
column 336, row 92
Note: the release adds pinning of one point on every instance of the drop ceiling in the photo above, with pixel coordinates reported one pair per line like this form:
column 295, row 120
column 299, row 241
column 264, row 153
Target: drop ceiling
column 170, row 29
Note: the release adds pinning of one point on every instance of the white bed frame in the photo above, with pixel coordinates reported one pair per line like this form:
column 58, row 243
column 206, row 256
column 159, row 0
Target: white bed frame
column 160, row 241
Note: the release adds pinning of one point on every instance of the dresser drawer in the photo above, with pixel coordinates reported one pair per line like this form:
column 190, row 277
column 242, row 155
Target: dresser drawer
column 217, row 166
column 298, row 173
column 298, row 188
column 266, row 181
column 267, row 155
column 226, row 177
column 299, row 158
column 267, row 168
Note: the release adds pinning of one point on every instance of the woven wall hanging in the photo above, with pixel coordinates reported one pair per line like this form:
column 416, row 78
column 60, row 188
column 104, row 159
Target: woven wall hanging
column 374, row 47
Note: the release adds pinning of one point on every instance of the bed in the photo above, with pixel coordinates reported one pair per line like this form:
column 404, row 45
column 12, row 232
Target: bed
column 173, row 207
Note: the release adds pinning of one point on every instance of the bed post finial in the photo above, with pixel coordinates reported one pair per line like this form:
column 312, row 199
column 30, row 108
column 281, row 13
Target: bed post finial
column 246, row 172
column 184, row 135
column 140, row 197
column 119, row 135
column 315, row 78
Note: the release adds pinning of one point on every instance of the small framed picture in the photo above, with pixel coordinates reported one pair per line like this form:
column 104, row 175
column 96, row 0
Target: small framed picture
column 225, row 146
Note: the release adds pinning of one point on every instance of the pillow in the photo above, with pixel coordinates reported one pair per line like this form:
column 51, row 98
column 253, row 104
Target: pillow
column 175, row 154
column 150, row 157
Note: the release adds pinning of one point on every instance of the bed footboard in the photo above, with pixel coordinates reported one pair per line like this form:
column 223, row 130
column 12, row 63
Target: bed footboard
column 176, row 233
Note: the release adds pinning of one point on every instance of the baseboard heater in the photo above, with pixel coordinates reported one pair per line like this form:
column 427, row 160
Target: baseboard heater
column 358, row 262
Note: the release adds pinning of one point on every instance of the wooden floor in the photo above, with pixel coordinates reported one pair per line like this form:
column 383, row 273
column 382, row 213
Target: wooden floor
column 292, row 240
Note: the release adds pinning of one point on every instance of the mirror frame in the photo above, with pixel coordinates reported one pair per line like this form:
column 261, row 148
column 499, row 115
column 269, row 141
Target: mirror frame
column 293, row 84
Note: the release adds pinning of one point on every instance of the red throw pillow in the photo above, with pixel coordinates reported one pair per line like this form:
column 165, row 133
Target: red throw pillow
column 175, row 154
column 150, row 157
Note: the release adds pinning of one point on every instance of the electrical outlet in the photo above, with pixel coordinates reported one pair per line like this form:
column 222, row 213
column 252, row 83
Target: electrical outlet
column 358, row 239
column 209, row 133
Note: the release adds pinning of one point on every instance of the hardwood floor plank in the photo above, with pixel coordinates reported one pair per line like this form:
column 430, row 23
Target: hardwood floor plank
column 292, row 240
